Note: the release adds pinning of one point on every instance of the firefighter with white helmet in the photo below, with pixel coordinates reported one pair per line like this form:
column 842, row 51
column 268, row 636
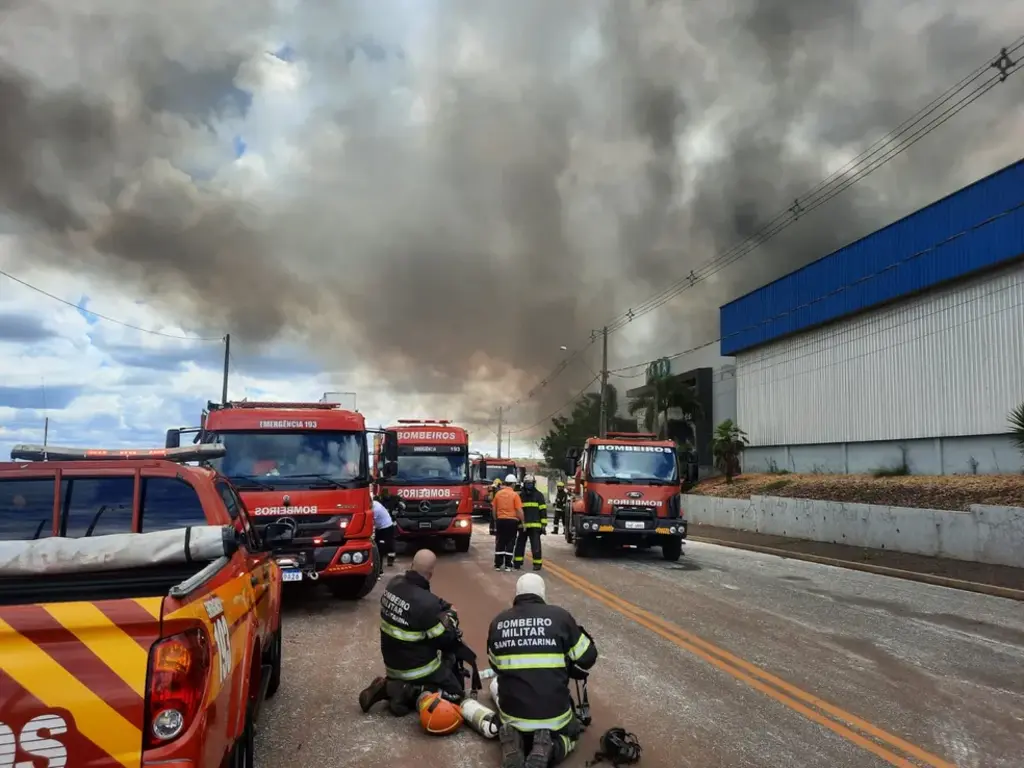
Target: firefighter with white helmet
column 507, row 514
column 535, row 521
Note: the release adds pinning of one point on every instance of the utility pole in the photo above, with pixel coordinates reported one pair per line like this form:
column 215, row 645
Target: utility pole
column 227, row 366
column 510, row 443
column 499, row 431
column 604, row 382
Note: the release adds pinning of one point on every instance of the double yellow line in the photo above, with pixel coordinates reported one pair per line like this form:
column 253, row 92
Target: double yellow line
column 883, row 744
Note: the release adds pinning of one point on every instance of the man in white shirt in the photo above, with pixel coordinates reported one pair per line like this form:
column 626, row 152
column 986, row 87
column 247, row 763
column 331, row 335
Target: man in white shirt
column 385, row 531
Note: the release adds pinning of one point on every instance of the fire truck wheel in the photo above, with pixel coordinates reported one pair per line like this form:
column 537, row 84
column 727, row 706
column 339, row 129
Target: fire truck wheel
column 582, row 547
column 243, row 754
column 273, row 658
column 462, row 544
column 671, row 549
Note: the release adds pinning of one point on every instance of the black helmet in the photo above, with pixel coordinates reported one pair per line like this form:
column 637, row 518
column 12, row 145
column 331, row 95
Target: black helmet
column 618, row 747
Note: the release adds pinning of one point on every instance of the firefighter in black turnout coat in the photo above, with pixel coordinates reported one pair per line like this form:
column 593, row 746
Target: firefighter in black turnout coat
column 418, row 640
column 531, row 647
column 535, row 520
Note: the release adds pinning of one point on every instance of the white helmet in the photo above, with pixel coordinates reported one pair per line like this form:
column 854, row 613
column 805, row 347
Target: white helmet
column 511, row 479
column 530, row 480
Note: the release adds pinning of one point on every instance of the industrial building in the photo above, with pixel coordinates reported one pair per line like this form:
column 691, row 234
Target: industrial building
column 904, row 349
column 905, row 346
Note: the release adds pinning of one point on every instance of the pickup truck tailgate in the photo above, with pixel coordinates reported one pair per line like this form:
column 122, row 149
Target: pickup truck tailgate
column 73, row 681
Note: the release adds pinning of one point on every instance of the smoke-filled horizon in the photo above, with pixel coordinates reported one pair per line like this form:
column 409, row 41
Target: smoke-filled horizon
column 446, row 192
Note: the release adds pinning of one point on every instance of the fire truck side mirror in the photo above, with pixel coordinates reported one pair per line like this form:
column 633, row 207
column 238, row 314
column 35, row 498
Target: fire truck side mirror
column 173, row 439
column 389, row 469
column 390, row 447
column 570, row 467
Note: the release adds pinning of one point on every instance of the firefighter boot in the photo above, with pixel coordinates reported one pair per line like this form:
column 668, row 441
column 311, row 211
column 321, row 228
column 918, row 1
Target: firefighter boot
column 541, row 751
column 401, row 698
column 372, row 694
column 511, row 747
column 391, row 559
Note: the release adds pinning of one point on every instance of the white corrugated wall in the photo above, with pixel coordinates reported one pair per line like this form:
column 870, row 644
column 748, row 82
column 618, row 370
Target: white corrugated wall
column 945, row 363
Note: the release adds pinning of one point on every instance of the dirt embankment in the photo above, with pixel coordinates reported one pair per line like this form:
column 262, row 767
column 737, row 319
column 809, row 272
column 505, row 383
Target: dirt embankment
column 957, row 492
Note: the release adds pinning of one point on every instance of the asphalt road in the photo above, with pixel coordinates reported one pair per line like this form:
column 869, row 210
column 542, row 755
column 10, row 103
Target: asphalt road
column 727, row 658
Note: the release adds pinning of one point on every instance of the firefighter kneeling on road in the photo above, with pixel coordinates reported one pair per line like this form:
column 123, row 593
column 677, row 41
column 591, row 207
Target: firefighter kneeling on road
column 419, row 640
column 535, row 521
column 561, row 506
column 532, row 646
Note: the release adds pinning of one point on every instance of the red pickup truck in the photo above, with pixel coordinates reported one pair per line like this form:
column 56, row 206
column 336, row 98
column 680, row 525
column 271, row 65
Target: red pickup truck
column 140, row 618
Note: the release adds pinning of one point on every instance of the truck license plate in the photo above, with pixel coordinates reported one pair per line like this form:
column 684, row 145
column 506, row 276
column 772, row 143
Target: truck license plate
column 291, row 574
column 635, row 524
column 424, row 525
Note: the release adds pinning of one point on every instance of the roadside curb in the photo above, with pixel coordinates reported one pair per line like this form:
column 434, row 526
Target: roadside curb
column 926, row 578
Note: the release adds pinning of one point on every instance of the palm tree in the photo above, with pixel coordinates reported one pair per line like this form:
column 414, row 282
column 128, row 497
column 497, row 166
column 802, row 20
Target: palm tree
column 665, row 393
column 727, row 445
column 1017, row 426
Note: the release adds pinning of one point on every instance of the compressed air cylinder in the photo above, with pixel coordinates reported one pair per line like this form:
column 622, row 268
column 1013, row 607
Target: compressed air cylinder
column 480, row 718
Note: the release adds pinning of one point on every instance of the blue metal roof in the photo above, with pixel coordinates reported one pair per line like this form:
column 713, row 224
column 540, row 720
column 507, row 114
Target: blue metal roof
column 977, row 227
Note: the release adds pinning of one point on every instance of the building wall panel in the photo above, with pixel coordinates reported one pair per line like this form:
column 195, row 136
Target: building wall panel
column 946, row 363
column 979, row 226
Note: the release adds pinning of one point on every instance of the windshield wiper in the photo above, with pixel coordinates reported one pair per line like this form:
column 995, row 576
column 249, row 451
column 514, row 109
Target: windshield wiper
column 609, row 480
column 249, row 481
column 327, row 479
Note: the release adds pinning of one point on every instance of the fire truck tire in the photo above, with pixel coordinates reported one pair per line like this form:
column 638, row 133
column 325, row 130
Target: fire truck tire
column 243, row 754
column 462, row 543
column 357, row 587
column 273, row 657
column 582, row 547
column 671, row 549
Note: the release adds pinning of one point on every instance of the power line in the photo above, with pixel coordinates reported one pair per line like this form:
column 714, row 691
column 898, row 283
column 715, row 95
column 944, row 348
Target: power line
column 908, row 133
column 877, row 273
column 107, row 318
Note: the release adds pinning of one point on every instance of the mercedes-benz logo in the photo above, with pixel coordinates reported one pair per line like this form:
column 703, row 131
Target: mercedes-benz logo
column 424, row 506
column 287, row 500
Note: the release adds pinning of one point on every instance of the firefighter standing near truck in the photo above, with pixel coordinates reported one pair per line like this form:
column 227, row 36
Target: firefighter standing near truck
column 561, row 502
column 507, row 517
column 535, row 522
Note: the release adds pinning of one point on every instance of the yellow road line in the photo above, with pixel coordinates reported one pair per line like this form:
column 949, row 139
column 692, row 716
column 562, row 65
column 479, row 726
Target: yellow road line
column 761, row 680
column 53, row 685
column 109, row 642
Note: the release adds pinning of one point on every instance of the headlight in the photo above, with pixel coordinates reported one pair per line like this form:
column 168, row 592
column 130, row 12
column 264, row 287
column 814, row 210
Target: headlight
column 346, row 558
column 461, row 523
column 357, row 557
column 343, row 523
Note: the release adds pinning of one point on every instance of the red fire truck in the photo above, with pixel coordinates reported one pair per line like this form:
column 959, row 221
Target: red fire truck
column 308, row 462
column 426, row 463
column 483, row 472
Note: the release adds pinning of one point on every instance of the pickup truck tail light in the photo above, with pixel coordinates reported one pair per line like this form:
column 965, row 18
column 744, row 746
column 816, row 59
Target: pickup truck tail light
column 178, row 670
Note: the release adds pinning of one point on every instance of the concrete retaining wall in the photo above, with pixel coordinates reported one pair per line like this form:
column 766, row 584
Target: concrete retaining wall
column 986, row 534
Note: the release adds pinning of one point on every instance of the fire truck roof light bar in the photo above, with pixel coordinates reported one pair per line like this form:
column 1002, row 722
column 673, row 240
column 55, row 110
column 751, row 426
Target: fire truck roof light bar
column 276, row 406
column 633, row 435
column 203, row 452
column 424, row 421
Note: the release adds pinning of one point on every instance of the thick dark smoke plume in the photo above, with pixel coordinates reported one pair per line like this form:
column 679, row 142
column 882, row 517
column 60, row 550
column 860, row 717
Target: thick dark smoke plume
column 453, row 193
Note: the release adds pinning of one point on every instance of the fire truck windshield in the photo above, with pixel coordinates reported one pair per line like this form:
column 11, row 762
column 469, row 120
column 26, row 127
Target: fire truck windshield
column 415, row 467
column 500, row 471
column 310, row 459
column 633, row 463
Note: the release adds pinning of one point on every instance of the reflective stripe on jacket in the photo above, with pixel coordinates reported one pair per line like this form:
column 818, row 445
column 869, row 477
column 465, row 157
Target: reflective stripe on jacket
column 412, row 632
column 530, row 647
column 535, row 508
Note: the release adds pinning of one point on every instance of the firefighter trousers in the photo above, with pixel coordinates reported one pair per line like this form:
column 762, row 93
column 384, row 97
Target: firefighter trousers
column 505, row 541
column 533, row 534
